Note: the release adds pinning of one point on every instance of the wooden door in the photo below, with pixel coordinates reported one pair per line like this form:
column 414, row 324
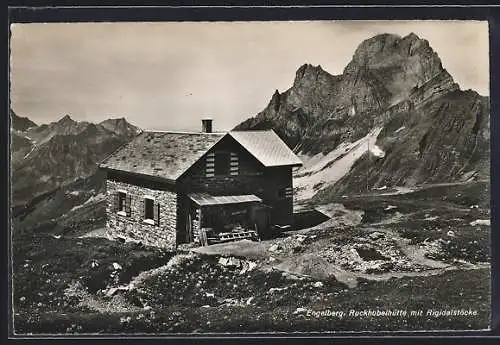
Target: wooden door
column 261, row 220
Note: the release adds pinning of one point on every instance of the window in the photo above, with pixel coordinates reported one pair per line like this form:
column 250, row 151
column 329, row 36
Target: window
column 149, row 208
column 222, row 163
column 285, row 193
column 122, row 203
column 151, row 211
column 234, row 164
column 210, row 165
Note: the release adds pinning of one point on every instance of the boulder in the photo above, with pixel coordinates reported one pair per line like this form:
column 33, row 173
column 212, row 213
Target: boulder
column 376, row 235
column 318, row 284
column 275, row 248
column 230, row 262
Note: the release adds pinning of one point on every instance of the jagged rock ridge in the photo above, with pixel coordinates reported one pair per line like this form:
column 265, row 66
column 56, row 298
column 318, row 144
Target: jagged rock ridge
column 430, row 130
column 20, row 123
column 55, row 156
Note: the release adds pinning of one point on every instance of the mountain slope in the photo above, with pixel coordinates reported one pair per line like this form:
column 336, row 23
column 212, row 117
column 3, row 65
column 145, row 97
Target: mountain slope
column 427, row 129
column 450, row 143
column 20, row 123
column 49, row 163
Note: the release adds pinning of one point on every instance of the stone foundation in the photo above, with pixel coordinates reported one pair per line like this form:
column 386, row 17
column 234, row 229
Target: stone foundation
column 133, row 227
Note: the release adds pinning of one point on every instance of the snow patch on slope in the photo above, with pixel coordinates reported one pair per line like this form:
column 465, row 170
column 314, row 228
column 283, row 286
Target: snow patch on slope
column 377, row 151
column 399, row 129
column 32, row 149
column 92, row 199
column 320, row 171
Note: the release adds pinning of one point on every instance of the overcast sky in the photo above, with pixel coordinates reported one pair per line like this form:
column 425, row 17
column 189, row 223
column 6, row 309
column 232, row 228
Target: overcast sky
column 170, row 75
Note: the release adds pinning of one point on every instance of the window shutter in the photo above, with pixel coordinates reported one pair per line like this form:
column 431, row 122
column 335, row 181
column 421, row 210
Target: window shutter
column 116, row 201
column 210, row 165
column 128, row 201
column 143, row 208
column 156, row 214
column 234, row 164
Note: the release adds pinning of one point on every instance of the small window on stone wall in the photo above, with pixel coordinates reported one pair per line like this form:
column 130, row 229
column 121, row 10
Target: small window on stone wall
column 122, row 203
column 149, row 205
column 151, row 212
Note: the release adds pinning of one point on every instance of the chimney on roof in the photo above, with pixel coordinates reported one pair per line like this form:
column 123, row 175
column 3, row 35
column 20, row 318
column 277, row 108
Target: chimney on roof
column 206, row 125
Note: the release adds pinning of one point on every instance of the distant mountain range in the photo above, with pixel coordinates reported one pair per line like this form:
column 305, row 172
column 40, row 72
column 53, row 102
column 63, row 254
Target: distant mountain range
column 58, row 156
column 394, row 117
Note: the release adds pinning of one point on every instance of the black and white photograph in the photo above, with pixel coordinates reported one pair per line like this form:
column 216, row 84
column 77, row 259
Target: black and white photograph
column 250, row 177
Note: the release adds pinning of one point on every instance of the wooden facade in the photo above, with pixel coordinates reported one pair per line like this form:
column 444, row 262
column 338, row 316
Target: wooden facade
column 246, row 175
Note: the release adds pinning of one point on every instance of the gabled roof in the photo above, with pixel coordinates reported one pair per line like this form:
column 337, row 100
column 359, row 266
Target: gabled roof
column 165, row 155
column 267, row 147
column 168, row 155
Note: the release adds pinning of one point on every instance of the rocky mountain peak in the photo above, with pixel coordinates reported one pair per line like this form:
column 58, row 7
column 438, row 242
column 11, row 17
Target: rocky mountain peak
column 66, row 119
column 389, row 46
column 400, row 64
column 395, row 85
column 114, row 122
column 385, row 70
column 412, row 36
column 275, row 100
column 370, row 47
column 20, row 123
column 120, row 126
column 309, row 72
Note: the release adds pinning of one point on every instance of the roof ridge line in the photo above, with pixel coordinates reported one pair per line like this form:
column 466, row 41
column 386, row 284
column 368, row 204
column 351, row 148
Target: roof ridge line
column 183, row 132
column 253, row 130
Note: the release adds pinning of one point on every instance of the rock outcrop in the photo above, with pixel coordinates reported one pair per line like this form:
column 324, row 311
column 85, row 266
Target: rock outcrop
column 431, row 131
column 20, row 123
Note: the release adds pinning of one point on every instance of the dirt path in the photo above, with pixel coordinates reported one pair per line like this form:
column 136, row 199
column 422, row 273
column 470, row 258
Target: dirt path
column 313, row 266
column 415, row 253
